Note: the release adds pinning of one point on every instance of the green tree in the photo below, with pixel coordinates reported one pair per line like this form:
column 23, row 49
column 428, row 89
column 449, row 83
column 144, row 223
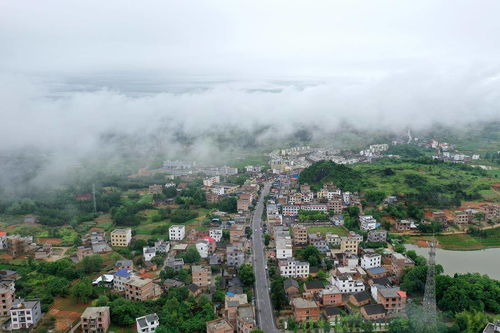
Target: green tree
column 278, row 295
column 246, row 275
column 310, row 254
column 124, row 311
column 91, row 264
column 83, row 291
column 400, row 325
column 191, row 256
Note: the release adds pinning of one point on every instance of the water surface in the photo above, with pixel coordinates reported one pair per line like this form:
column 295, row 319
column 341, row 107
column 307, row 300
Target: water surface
column 485, row 261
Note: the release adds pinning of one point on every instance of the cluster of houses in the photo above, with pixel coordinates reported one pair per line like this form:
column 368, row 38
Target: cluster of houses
column 16, row 313
column 360, row 279
column 482, row 213
column 17, row 246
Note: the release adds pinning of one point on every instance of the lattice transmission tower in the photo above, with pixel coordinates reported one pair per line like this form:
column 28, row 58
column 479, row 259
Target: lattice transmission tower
column 429, row 301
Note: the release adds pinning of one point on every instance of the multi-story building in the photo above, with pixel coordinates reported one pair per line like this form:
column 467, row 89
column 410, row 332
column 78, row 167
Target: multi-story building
column 461, row 218
column 149, row 252
column 121, row 277
column 139, row 289
column 25, row 313
column 3, row 240
column 216, row 233
column 293, row 268
column 350, row 243
column 299, row 234
column 336, row 204
column 7, row 296
column 305, row 310
column 202, row 246
column 399, row 263
column 82, row 252
column 219, row 325
column 291, row 210
column 245, row 319
column 403, row 225
column 392, row 298
column 315, row 207
column 371, row 260
column 202, row 276
column 283, row 247
column 231, row 304
column 330, row 296
column 367, row 222
column 121, row 237
column 319, row 242
column 235, row 256
column 147, row 323
column 210, row 181
column 19, row 245
column 95, row 319
column 376, row 236
column 346, row 284
column 177, row 232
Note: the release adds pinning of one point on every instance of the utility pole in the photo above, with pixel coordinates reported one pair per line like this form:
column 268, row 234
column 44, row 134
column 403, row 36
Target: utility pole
column 93, row 198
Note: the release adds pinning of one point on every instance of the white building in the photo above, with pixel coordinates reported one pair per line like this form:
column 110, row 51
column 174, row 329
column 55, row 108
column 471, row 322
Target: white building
column 294, row 268
column 148, row 253
column 25, row 313
column 177, row 232
column 202, row 248
column 148, row 323
column 367, row 223
column 3, row 240
column 216, row 233
column 371, row 260
column 347, row 284
column 284, row 247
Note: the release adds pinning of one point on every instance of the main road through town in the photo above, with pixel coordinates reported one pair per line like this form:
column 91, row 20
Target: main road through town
column 263, row 306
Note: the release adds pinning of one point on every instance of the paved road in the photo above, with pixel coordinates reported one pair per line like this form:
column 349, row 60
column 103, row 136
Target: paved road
column 264, row 309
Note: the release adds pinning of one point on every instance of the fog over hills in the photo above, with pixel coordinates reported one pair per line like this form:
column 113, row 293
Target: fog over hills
column 205, row 80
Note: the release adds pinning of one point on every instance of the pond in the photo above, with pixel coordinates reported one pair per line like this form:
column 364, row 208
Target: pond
column 481, row 261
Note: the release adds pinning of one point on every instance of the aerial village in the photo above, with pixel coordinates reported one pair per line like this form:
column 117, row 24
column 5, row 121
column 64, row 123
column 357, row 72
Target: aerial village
column 326, row 258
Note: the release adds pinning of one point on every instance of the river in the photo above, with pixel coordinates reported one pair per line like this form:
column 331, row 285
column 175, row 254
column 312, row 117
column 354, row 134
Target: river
column 482, row 261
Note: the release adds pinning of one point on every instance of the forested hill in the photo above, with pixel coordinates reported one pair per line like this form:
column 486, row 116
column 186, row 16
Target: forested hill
column 420, row 181
column 324, row 172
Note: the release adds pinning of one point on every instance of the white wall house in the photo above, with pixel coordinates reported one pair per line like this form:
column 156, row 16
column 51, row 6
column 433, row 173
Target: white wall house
column 148, row 253
column 347, row 284
column 177, row 232
column 367, row 223
column 148, row 323
column 371, row 260
column 293, row 268
column 25, row 313
column 216, row 233
column 284, row 247
column 202, row 248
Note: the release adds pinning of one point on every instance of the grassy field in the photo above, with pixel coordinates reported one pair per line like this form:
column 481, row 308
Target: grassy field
column 463, row 242
column 339, row 230
column 150, row 228
column 438, row 174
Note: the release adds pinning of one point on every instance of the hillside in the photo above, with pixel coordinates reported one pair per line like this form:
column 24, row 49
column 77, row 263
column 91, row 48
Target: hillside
column 422, row 181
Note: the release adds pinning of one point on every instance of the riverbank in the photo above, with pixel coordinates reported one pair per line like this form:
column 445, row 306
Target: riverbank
column 460, row 242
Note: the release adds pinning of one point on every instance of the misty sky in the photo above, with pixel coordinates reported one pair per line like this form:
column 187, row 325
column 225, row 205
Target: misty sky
column 71, row 71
